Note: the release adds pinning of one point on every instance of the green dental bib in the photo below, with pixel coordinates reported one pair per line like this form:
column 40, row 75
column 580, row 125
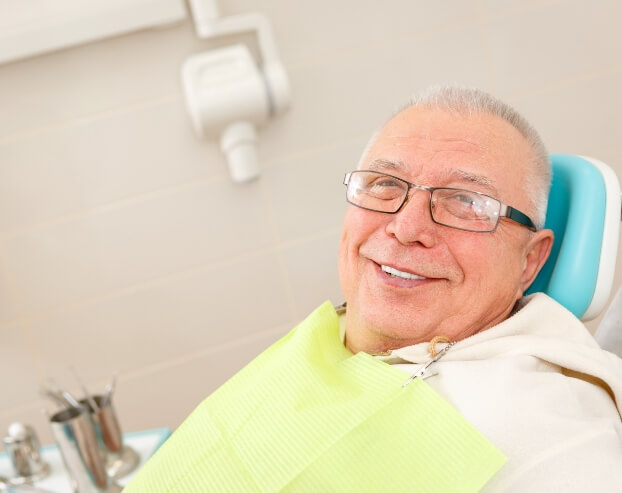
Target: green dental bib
column 308, row 416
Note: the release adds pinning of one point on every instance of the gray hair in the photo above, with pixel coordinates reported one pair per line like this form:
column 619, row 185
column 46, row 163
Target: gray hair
column 470, row 101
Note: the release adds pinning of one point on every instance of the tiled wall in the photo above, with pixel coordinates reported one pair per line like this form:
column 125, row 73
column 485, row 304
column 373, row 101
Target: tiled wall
column 125, row 247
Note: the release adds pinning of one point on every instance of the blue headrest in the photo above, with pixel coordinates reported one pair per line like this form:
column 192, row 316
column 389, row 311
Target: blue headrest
column 584, row 213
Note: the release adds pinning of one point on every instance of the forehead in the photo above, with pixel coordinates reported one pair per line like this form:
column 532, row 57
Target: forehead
column 438, row 147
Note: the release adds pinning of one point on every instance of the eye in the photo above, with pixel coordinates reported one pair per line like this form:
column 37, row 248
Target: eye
column 468, row 205
column 464, row 198
column 385, row 188
column 386, row 182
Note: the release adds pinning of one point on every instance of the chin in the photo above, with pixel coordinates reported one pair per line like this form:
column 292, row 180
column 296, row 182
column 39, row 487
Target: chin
column 389, row 326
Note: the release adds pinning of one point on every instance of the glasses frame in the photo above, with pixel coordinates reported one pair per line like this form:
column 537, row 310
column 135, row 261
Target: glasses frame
column 505, row 210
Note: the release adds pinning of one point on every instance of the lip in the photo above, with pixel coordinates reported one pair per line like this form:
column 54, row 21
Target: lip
column 397, row 282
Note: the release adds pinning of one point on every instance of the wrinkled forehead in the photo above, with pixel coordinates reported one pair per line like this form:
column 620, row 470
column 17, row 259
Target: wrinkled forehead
column 439, row 146
column 444, row 175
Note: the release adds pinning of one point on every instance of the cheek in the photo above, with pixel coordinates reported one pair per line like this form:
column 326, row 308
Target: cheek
column 347, row 252
column 480, row 260
column 358, row 227
column 491, row 266
column 342, row 257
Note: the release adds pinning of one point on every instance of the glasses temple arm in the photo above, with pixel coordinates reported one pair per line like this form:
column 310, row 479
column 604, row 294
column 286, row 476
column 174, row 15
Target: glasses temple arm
column 517, row 216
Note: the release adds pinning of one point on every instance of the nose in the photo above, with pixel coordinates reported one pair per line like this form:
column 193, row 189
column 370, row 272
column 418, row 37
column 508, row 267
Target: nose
column 413, row 223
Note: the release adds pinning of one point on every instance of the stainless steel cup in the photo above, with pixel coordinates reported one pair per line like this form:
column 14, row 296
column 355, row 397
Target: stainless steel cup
column 75, row 434
column 120, row 459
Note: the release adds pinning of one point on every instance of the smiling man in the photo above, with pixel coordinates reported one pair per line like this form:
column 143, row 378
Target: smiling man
column 437, row 375
column 440, row 261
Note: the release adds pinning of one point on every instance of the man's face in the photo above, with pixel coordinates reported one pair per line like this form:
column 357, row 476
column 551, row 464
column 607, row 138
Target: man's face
column 465, row 282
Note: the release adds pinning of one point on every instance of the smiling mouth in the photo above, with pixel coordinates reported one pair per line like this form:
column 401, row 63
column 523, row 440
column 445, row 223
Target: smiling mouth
column 399, row 274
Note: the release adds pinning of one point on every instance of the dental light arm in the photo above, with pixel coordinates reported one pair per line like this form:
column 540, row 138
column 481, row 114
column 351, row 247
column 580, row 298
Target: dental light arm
column 226, row 93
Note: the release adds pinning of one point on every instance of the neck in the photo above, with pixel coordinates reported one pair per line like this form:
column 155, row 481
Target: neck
column 361, row 337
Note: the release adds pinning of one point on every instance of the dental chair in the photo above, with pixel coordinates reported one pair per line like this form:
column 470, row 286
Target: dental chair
column 584, row 213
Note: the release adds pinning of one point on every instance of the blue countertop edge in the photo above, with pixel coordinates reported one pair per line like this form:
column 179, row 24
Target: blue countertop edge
column 163, row 432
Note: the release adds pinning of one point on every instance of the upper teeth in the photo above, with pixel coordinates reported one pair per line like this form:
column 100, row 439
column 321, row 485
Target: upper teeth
column 399, row 273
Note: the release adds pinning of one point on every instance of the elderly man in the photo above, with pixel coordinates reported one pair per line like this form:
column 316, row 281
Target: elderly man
column 438, row 375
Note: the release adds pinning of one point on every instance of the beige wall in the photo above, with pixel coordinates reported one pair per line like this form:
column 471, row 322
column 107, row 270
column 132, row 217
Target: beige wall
column 125, row 247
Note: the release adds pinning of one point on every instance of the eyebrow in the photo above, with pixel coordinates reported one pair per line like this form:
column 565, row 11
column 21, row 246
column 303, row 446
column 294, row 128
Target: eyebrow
column 386, row 165
column 449, row 175
column 461, row 175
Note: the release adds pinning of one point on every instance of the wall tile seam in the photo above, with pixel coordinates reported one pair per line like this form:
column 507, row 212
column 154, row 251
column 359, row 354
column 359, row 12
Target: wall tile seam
column 472, row 20
column 318, row 235
column 292, row 66
column 271, row 164
column 275, row 162
column 153, row 369
column 291, row 244
column 90, row 118
column 479, row 18
column 280, row 246
column 284, row 278
column 112, row 112
column 15, row 295
column 132, row 289
column 364, row 48
column 276, row 332
column 129, row 290
column 271, row 161
column 267, row 165
column 117, row 204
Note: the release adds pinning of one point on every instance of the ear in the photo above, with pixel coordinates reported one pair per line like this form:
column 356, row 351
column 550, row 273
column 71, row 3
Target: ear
column 536, row 254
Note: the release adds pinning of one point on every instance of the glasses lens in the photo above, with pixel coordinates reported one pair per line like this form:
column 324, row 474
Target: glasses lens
column 376, row 191
column 464, row 209
column 456, row 208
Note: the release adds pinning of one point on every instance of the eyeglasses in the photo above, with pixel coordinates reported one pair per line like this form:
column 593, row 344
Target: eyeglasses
column 453, row 207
